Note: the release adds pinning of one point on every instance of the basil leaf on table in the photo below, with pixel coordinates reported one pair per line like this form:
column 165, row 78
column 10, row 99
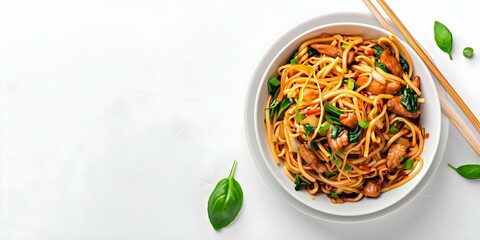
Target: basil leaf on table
column 443, row 38
column 225, row 201
column 468, row 171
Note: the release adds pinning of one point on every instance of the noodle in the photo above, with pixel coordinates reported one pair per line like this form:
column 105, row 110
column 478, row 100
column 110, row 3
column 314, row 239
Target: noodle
column 342, row 118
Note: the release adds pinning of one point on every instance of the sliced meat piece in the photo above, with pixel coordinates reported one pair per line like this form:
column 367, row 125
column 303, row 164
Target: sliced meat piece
column 374, row 88
column 337, row 143
column 311, row 159
column 328, row 50
column 349, row 120
column 395, row 152
column 394, row 106
column 393, row 87
column 361, row 80
column 372, row 188
column 388, row 59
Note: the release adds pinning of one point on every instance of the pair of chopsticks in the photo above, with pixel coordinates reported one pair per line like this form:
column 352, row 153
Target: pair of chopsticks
column 445, row 104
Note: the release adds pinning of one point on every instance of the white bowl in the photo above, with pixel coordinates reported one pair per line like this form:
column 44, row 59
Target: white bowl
column 430, row 120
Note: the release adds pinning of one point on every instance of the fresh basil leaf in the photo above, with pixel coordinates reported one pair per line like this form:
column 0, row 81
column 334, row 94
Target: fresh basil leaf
column 225, row 201
column 468, row 171
column 443, row 38
column 410, row 100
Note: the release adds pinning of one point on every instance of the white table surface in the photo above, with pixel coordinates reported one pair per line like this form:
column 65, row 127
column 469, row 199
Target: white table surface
column 117, row 119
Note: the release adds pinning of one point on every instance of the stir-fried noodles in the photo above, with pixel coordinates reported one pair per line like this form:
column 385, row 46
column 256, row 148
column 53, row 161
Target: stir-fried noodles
column 342, row 117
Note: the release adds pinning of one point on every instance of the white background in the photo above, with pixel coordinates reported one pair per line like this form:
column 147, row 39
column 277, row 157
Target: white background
column 117, row 119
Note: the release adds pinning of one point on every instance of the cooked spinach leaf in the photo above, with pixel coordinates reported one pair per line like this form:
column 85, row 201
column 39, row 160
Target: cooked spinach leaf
column 378, row 51
column 355, row 135
column 273, row 84
column 410, row 100
column 300, row 182
column 284, row 106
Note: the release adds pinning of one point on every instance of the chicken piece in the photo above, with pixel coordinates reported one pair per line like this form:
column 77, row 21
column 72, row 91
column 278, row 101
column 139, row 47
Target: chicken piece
column 394, row 106
column 393, row 87
column 349, row 120
column 374, row 88
column 361, row 80
column 395, row 152
column 388, row 59
column 328, row 50
column 350, row 57
column 416, row 82
column 372, row 188
column 337, row 143
column 311, row 159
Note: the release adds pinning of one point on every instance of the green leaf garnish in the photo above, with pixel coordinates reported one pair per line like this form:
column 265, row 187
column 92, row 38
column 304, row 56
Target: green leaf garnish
column 225, row 201
column 443, row 38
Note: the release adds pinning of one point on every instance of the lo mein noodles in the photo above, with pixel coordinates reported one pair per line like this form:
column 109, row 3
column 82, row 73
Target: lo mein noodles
column 342, row 117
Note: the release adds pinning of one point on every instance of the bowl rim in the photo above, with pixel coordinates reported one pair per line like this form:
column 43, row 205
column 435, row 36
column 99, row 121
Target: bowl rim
column 293, row 38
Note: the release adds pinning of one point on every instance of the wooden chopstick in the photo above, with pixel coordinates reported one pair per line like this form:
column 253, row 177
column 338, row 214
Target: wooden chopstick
column 441, row 79
column 444, row 103
column 458, row 122
column 379, row 16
